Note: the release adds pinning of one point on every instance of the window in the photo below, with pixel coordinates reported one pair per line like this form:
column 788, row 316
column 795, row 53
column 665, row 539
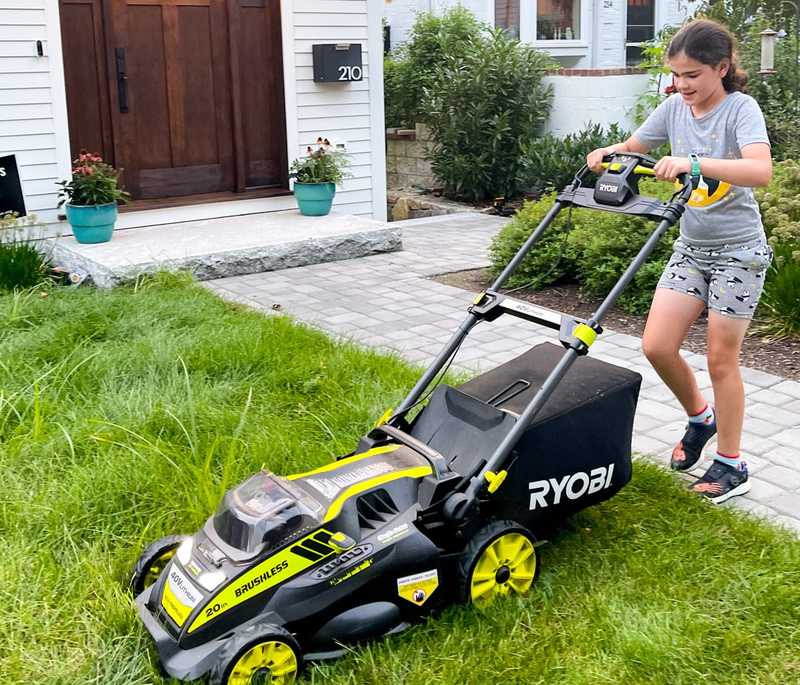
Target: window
column 558, row 19
column 640, row 28
column 506, row 16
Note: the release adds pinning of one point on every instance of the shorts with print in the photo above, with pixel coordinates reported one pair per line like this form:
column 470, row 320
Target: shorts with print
column 728, row 278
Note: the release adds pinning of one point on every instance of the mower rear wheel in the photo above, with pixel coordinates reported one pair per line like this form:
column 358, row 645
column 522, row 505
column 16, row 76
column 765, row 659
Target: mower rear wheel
column 153, row 561
column 500, row 560
column 262, row 654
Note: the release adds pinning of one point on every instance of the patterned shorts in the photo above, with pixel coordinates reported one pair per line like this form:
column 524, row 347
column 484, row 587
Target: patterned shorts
column 728, row 278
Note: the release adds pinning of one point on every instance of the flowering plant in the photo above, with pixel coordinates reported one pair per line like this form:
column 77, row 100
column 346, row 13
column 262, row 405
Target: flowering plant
column 324, row 163
column 93, row 182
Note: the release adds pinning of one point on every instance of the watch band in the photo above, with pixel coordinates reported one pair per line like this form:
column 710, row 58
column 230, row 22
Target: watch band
column 695, row 160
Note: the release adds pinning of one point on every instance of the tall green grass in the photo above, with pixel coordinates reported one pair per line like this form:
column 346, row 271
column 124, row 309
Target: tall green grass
column 22, row 262
column 125, row 415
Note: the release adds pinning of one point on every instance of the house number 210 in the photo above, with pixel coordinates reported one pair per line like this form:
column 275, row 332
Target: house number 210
column 350, row 73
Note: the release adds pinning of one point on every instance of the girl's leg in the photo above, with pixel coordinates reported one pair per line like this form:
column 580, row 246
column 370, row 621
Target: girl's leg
column 725, row 336
column 671, row 315
column 727, row 476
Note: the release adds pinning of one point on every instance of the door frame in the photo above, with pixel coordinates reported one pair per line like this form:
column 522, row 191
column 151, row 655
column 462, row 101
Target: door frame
column 59, row 96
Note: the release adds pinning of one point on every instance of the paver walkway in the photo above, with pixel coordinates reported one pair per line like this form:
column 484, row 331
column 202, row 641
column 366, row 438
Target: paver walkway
column 388, row 301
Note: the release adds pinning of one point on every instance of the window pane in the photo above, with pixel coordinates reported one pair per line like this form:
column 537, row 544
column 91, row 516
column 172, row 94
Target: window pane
column 506, row 16
column 633, row 55
column 641, row 21
column 558, row 19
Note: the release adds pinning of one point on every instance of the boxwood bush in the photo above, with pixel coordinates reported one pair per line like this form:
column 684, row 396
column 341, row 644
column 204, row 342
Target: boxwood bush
column 550, row 162
column 779, row 309
column 589, row 247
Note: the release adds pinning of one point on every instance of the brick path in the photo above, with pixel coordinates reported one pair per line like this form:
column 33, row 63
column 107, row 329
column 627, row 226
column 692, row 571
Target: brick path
column 388, row 301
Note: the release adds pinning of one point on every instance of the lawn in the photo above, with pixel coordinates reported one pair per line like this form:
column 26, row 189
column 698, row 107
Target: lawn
column 125, row 415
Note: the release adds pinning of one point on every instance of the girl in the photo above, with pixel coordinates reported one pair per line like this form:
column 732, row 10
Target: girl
column 718, row 135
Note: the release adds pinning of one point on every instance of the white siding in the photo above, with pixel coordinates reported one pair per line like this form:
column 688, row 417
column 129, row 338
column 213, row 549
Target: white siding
column 32, row 119
column 401, row 14
column 603, row 25
column 349, row 113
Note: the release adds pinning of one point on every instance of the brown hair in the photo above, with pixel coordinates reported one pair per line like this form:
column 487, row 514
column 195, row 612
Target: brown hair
column 708, row 42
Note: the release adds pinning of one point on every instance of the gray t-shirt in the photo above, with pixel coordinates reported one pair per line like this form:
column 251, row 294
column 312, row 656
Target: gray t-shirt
column 718, row 212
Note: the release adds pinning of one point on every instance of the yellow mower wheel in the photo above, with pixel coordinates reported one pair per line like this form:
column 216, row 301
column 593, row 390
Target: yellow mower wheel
column 500, row 560
column 260, row 655
column 152, row 561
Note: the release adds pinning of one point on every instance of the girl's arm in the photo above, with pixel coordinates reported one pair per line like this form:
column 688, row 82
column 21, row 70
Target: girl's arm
column 753, row 170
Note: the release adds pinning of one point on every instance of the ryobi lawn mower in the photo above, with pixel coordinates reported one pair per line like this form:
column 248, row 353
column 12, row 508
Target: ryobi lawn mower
column 439, row 508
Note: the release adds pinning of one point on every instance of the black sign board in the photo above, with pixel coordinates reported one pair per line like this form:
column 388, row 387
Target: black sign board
column 11, row 199
column 337, row 63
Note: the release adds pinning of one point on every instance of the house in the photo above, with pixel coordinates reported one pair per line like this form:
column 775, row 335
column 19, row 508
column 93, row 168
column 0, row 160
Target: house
column 202, row 103
column 597, row 43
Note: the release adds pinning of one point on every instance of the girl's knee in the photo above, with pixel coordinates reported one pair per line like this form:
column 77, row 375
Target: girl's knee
column 657, row 351
column 722, row 365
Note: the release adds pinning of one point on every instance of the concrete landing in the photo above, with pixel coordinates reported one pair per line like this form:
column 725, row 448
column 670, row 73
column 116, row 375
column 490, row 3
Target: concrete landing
column 231, row 246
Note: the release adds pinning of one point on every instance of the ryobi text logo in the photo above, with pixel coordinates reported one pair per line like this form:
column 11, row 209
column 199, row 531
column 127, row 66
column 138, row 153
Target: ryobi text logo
column 573, row 486
column 607, row 187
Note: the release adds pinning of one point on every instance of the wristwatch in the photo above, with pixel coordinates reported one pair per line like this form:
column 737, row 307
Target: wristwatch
column 695, row 160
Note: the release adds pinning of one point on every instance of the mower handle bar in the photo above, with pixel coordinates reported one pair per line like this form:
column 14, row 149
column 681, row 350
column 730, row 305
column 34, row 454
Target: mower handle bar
column 461, row 503
column 644, row 168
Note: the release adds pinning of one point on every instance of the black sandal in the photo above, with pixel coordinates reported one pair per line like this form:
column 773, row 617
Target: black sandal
column 689, row 450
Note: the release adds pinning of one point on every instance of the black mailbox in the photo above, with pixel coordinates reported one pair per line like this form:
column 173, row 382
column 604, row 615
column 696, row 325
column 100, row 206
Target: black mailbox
column 337, row 63
column 11, row 199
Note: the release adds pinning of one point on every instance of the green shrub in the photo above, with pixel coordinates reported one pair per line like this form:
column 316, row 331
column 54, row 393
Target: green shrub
column 483, row 106
column 777, row 93
column 598, row 249
column 607, row 244
column 781, row 299
column 550, row 261
column 550, row 163
column 780, row 204
column 21, row 263
column 409, row 70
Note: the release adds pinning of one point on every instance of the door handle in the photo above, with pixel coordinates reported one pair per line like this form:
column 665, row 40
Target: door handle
column 122, row 80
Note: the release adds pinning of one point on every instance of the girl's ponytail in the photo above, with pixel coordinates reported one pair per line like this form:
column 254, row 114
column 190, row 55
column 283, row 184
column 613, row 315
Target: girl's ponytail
column 736, row 78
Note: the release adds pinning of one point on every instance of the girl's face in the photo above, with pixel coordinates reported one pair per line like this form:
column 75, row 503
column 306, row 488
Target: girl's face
column 697, row 83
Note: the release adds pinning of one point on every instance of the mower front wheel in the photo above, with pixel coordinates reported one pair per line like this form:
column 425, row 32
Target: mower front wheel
column 153, row 561
column 500, row 560
column 262, row 653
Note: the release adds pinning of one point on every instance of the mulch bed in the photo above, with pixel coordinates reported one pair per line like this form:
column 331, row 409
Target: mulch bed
column 781, row 358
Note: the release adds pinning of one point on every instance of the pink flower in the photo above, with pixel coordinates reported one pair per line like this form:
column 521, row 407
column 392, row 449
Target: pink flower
column 670, row 89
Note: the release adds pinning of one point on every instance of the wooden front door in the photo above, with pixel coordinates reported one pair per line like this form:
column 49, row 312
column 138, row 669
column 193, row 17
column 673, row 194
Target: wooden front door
column 190, row 92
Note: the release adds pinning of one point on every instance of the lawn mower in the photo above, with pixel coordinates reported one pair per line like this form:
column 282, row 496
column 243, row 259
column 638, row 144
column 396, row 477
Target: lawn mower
column 441, row 502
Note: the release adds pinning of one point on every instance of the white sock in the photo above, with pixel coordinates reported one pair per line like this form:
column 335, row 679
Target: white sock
column 706, row 416
column 736, row 462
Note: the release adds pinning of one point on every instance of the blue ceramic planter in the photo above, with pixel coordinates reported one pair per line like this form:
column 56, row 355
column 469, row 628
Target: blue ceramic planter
column 314, row 199
column 92, row 223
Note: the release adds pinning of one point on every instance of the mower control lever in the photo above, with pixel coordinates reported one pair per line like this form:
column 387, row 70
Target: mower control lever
column 619, row 161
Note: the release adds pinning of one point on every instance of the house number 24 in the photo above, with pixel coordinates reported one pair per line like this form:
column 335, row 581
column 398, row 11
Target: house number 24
column 350, row 73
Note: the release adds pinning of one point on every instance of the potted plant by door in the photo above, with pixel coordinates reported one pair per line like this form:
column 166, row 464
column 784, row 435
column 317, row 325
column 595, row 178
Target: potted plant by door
column 316, row 176
column 91, row 198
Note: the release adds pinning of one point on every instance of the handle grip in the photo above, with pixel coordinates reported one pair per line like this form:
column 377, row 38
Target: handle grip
column 642, row 170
